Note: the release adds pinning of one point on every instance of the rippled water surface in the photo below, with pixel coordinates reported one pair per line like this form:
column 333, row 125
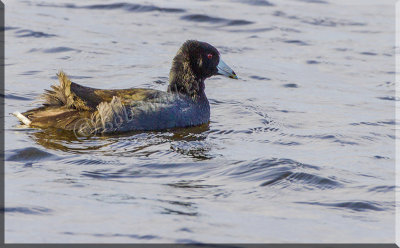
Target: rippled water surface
column 300, row 149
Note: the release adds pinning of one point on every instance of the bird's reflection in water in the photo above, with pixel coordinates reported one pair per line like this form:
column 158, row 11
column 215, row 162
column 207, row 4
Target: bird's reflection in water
column 186, row 141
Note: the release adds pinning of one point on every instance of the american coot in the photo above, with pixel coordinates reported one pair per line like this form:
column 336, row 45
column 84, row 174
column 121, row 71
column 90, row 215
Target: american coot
column 71, row 106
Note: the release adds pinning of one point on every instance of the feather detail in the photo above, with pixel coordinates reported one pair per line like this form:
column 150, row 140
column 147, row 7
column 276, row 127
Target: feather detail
column 110, row 115
column 61, row 95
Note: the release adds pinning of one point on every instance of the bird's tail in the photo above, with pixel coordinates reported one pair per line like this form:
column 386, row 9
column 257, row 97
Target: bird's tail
column 22, row 118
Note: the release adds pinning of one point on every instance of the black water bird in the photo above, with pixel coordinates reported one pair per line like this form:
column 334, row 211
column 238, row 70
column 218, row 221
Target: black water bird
column 71, row 106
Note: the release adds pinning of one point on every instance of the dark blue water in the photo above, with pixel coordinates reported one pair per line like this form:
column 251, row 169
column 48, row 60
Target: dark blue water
column 300, row 149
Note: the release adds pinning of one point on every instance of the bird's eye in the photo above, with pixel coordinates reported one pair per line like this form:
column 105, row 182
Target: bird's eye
column 209, row 56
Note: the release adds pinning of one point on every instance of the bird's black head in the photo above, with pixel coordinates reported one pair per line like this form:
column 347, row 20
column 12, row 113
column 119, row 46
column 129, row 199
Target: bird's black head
column 203, row 58
column 194, row 62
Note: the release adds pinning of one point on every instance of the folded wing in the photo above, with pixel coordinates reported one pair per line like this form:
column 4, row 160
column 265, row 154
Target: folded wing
column 68, row 102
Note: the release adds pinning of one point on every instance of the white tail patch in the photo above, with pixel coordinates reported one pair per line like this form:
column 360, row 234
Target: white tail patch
column 22, row 118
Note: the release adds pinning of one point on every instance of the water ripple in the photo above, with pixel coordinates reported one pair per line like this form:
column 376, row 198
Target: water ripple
column 6, row 28
column 131, row 7
column 325, row 22
column 302, row 178
column 389, row 98
column 26, row 210
column 290, row 86
column 60, row 49
column 30, row 154
column 260, row 78
column 214, row 20
column 256, row 2
column 90, row 162
column 250, row 30
column 382, row 189
column 148, row 170
column 297, row 42
column 24, row 33
column 191, row 184
column 369, row 53
column 15, row 97
column 358, row 206
column 245, row 168
column 312, row 62
column 178, row 212
column 195, row 149
column 107, row 235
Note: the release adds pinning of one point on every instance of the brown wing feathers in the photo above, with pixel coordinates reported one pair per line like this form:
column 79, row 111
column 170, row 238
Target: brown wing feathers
column 69, row 102
column 61, row 95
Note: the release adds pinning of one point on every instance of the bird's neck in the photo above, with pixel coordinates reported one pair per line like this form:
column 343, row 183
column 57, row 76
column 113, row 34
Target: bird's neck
column 182, row 80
